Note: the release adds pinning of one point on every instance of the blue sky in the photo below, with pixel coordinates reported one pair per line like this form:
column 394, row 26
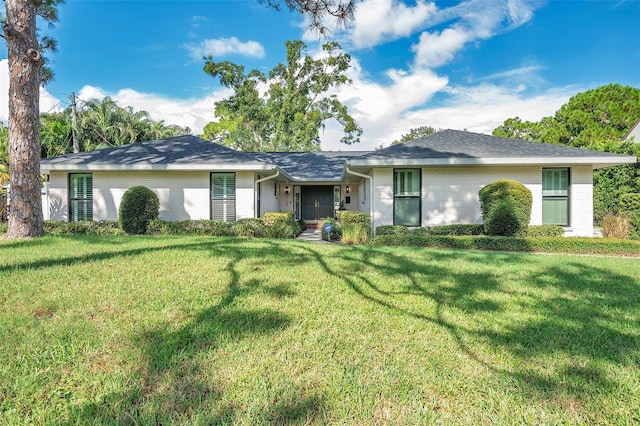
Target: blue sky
column 453, row 64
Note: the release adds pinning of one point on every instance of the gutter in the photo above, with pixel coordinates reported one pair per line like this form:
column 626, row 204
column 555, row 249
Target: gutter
column 268, row 177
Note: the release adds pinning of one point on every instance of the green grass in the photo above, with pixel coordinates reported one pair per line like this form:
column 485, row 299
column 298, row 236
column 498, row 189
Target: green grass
column 204, row 330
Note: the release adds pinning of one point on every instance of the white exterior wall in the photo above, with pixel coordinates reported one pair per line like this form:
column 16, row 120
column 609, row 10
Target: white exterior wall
column 581, row 202
column 382, row 197
column 245, row 199
column 268, row 201
column 450, row 195
column 182, row 195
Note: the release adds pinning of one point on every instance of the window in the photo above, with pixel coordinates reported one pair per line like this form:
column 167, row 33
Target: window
column 80, row 197
column 406, row 197
column 555, row 197
column 223, row 196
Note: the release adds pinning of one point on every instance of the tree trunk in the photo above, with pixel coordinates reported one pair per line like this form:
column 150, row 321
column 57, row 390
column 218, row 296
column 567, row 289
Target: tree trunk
column 25, row 215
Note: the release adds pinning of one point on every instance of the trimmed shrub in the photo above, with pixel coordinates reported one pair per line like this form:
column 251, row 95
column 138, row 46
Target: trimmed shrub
column 614, row 226
column 336, row 232
column 138, row 207
column 281, row 225
column 506, row 208
column 630, row 207
column 545, row 231
column 249, row 227
column 392, row 230
column 465, row 229
column 102, row 227
column 598, row 246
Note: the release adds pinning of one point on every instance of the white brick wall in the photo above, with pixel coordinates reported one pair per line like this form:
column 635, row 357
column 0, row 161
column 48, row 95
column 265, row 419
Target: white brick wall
column 182, row 195
column 581, row 200
column 450, row 195
column 382, row 211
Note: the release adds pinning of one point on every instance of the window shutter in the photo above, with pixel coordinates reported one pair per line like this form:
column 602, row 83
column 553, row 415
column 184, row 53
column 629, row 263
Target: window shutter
column 223, row 196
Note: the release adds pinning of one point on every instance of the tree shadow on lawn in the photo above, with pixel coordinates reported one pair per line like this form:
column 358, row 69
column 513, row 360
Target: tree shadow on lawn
column 172, row 386
column 579, row 322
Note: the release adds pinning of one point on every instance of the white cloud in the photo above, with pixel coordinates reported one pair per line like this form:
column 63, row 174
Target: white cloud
column 439, row 48
column 48, row 102
column 224, row 46
column 380, row 20
column 192, row 113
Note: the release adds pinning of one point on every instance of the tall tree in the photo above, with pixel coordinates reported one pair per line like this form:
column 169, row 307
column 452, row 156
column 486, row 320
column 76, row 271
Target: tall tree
column 295, row 106
column 26, row 72
column 596, row 119
column 25, row 55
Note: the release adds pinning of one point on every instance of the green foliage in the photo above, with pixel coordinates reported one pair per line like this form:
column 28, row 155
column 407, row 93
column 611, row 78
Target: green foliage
column 347, row 217
column 614, row 226
column 4, row 155
column 355, row 233
column 506, row 208
column 250, row 228
column 596, row 119
column 590, row 246
column 138, row 207
column 190, row 227
column 416, row 133
column 630, row 206
column 101, row 123
column 102, row 227
column 336, row 231
column 3, row 227
column 290, row 115
column 545, row 231
column 392, row 230
column 461, row 229
column 281, row 225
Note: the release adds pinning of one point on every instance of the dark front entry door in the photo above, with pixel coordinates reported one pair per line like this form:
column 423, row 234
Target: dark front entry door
column 317, row 202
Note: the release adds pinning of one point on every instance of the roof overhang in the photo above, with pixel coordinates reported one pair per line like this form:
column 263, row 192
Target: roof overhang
column 596, row 162
column 258, row 167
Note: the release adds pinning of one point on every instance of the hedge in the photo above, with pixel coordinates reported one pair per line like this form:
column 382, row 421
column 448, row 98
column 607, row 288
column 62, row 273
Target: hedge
column 545, row 231
column 190, row 227
column 281, row 225
column 630, row 207
column 541, row 244
column 102, row 227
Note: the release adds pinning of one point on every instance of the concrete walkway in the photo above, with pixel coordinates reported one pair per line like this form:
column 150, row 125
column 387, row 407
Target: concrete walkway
column 314, row 235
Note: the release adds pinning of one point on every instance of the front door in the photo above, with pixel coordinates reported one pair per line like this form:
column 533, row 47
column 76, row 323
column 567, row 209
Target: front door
column 317, row 202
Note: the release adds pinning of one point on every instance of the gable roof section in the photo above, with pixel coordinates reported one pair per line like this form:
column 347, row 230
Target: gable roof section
column 454, row 147
column 179, row 153
column 312, row 166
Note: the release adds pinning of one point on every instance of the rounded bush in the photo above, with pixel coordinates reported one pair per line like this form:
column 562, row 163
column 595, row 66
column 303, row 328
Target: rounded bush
column 506, row 208
column 139, row 206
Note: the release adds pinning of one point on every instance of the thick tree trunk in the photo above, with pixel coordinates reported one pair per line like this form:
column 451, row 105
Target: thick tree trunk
column 25, row 216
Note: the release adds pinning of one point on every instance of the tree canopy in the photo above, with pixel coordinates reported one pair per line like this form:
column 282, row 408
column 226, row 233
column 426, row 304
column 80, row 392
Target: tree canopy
column 286, row 109
column 415, row 133
column 597, row 119
column 102, row 123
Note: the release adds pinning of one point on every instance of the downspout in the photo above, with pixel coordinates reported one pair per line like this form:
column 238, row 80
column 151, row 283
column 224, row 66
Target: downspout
column 362, row 175
column 264, row 179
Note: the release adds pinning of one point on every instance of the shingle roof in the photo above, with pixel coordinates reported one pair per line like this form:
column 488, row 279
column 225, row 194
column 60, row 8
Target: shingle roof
column 460, row 144
column 319, row 166
column 186, row 149
column 446, row 147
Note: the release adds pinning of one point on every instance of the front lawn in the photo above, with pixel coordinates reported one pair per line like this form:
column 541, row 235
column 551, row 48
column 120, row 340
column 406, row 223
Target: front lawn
column 205, row 330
